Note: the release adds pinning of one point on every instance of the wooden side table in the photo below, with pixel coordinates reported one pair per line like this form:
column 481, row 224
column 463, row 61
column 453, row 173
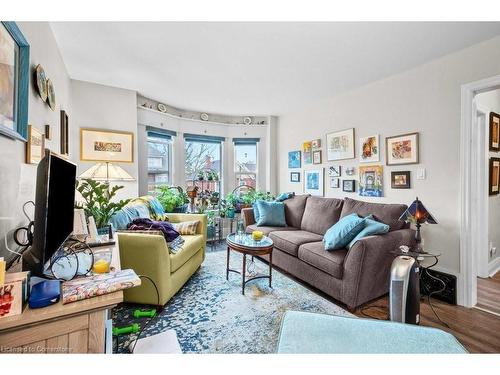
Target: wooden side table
column 245, row 245
column 78, row 327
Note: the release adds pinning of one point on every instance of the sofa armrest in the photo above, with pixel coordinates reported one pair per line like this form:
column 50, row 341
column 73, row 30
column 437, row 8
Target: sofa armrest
column 248, row 216
column 147, row 255
column 367, row 265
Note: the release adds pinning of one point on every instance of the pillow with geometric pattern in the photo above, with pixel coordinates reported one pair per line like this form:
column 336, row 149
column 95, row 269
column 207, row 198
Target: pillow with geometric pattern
column 187, row 227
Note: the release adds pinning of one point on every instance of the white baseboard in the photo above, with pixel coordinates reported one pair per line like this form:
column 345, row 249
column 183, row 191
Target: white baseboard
column 494, row 266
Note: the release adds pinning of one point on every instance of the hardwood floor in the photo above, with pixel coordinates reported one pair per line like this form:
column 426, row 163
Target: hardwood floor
column 488, row 293
column 478, row 331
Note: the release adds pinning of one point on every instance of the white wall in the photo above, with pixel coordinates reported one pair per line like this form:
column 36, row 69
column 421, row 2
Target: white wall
column 17, row 179
column 146, row 117
column 426, row 100
column 490, row 102
column 104, row 107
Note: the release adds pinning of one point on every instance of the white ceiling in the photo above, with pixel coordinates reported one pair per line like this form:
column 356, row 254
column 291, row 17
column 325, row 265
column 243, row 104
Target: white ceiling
column 253, row 68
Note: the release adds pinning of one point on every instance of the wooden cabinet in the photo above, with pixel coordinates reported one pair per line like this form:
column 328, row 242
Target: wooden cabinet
column 77, row 327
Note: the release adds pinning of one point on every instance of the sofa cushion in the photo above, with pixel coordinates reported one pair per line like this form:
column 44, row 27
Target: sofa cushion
column 266, row 230
column 270, row 214
column 320, row 214
column 331, row 262
column 386, row 213
column 290, row 241
column 371, row 228
column 192, row 244
column 294, row 210
column 343, row 232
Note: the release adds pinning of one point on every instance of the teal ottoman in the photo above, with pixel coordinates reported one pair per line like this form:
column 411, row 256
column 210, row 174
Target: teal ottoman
column 303, row 332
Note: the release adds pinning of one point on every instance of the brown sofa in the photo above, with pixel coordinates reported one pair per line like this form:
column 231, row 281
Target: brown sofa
column 352, row 276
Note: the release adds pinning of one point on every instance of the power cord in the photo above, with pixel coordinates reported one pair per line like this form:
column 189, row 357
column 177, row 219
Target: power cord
column 23, row 243
column 150, row 319
column 435, row 292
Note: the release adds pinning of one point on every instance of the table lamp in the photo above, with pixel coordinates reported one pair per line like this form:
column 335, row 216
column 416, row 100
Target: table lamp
column 417, row 214
column 106, row 172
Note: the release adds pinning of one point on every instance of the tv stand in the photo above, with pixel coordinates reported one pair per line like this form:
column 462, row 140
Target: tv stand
column 78, row 327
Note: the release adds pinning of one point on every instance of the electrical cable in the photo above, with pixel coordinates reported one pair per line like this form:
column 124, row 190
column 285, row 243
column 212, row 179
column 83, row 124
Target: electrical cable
column 435, row 292
column 150, row 319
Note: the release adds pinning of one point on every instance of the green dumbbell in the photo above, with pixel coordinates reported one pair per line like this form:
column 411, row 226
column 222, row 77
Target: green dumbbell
column 125, row 330
column 145, row 314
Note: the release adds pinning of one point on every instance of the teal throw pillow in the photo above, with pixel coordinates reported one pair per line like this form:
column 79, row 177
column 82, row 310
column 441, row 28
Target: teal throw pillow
column 256, row 210
column 284, row 196
column 371, row 228
column 271, row 214
column 343, row 232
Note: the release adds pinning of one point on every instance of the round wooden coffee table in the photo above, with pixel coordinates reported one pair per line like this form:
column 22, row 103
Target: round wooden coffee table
column 245, row 245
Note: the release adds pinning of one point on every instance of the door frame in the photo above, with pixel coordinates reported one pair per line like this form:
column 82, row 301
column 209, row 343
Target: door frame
column 473, row 219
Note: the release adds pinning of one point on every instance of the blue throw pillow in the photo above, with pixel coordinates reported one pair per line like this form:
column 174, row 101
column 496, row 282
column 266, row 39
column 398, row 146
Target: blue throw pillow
column 271, row 214
column 256, row 210
column 284, row 196
column 343, row 232
column 371, row 228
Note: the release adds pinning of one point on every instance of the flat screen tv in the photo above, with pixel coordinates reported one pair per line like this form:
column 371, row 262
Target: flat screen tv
column 54, row 210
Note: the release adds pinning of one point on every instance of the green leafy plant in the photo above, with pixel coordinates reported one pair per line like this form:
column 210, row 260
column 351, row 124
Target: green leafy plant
column 231, row 200
column 98, row 198
column 171, row 198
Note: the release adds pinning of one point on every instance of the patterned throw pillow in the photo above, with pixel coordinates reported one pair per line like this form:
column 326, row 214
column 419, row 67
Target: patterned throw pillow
column 187, row 227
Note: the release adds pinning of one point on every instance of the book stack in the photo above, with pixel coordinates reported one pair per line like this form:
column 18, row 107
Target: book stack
column 97, row 285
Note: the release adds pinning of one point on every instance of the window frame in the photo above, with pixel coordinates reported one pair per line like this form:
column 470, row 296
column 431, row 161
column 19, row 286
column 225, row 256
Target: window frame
column 237, row 173
column 170, row 151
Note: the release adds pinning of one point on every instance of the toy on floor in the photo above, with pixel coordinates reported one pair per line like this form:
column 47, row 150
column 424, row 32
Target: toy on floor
column 145, row 314
column 126, row 330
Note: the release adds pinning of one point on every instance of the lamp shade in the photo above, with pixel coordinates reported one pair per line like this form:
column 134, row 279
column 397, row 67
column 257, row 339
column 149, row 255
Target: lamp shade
column 106, row 172
column 418, row 214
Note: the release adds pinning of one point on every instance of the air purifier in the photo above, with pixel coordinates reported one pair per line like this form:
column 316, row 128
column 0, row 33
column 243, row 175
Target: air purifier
column 404, row 291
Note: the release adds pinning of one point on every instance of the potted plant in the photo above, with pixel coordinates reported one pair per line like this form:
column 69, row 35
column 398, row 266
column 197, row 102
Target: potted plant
column 214, row 198
column 210, row 224
column 98, row 203
column 201, row 175
column 173, row 199
column 231, row 201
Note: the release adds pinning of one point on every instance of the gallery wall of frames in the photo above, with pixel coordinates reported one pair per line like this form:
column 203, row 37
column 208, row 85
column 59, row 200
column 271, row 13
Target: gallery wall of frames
column 366, row 178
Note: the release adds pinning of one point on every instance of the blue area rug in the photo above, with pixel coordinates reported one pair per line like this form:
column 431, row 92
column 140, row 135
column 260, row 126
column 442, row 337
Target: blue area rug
column 210, row 315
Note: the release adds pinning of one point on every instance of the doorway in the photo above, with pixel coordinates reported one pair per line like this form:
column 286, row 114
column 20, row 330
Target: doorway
column 480, row 211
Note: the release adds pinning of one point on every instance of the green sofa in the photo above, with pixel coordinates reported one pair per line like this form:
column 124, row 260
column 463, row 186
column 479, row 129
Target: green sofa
column 148, row 255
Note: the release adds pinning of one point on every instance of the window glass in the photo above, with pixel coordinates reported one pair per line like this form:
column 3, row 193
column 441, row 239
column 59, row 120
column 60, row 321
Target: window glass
column 158, row 162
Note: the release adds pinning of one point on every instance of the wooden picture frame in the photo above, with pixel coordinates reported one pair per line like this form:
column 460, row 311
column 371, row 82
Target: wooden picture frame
column 317, row 157
column 400, row 180
column 102, row 145
column 494, row 132
column 402, row 149
column 340, row 145
column 14, row 122
column 35, row 146
column 64, row 133
column 494, row 183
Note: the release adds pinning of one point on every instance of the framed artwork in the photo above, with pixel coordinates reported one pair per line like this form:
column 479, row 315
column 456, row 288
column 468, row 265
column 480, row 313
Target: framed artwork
column 313, row 180
column 370, row 181
column 317, row 157
column 349, row 186
column 402, row 149
column 494, row 176
column 340, row 145
column 48, row 132
column 334, row 183
column 14, row 82
column 294, row 176
column 106, row 145
column 400, row 180
column 307, row 152
column 35, row 145
column 350, row 171
column 294, row 160
column 335, row 171
column 64, row 133
column 316, row 143
column 369, row 150
column 494, row 131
